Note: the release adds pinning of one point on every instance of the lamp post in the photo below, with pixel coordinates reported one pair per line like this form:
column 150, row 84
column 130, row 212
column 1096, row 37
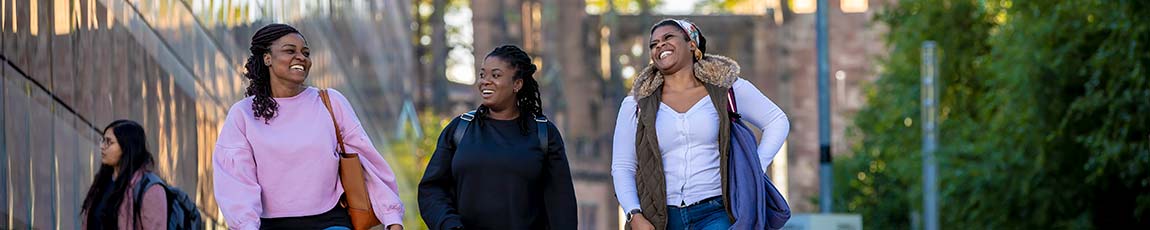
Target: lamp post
column 929, row 135
column 826, row 178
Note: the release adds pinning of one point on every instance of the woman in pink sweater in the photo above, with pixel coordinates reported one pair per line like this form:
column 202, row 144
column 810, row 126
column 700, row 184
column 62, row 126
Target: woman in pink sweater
column 275, row 165
column 110, row 201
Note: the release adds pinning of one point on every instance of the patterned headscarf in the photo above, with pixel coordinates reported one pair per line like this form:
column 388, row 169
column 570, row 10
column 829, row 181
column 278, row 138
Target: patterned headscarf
column 693, row 34
column 690, row 28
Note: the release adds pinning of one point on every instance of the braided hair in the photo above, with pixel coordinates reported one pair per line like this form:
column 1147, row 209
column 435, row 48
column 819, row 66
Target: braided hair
column 527, row 100
column 258, row 73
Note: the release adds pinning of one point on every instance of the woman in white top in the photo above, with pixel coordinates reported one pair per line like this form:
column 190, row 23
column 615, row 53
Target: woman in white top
column 672, row 135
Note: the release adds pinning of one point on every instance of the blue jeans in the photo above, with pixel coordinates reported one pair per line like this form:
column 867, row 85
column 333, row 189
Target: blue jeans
column 708, row 214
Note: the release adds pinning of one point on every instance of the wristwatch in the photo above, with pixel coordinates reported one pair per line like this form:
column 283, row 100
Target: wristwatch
column 632, row 213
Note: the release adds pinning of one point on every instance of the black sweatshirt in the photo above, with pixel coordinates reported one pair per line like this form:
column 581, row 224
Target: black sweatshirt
column 498, row 178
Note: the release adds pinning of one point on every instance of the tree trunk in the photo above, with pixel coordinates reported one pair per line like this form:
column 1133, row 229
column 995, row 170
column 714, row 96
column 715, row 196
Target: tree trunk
column 439, row 50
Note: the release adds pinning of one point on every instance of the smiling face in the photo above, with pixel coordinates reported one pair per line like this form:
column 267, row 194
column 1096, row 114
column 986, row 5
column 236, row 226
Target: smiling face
column 670, row 50
column 497, row 84
column 289, row 59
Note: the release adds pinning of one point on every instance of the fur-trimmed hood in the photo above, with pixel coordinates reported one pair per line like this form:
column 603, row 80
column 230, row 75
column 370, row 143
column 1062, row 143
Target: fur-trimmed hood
column 713, row 69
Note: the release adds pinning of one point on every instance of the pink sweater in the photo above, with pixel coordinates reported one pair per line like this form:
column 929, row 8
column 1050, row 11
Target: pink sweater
column 288, row 167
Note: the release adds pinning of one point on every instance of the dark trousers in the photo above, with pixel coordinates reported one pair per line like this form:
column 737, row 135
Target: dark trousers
column 335, row 217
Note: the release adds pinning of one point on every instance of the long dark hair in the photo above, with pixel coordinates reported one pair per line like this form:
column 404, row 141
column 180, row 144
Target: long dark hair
column 135, row 157
column 258, row 74
column 527, row 100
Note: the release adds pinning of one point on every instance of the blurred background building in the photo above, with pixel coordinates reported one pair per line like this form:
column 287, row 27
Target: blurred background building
column 69, row 67
column 72, row 67
column 590, row 51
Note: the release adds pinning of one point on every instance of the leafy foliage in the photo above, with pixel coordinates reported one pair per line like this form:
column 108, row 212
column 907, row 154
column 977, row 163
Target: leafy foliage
column 1044, row 111
column 409, row 157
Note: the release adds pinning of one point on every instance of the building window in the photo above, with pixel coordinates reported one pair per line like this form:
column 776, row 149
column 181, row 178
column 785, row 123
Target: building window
column 803, row 6
column 853, row 6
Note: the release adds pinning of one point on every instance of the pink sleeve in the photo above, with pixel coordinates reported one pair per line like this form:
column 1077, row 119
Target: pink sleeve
column 381, row 184
column 154, row 210
column 234, row 175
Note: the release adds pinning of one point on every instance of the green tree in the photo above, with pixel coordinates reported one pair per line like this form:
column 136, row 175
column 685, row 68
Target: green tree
column 411, row 153
column 1042, row 116
column 432, row 47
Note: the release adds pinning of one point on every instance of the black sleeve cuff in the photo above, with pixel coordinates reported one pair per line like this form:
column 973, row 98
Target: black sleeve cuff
column 452, row 222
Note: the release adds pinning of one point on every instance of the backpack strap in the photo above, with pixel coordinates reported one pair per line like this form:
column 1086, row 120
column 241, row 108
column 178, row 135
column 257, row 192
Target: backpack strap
column 541, row 122
column 146, row 181
column 465, row 122
column 732, row 108
column 460, row 129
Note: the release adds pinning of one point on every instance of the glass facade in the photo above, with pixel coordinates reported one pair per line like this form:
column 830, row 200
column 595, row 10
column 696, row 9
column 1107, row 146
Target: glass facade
column 70, row 67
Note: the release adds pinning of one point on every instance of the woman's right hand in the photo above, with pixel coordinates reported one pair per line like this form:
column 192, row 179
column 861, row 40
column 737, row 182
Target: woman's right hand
column 638, row 222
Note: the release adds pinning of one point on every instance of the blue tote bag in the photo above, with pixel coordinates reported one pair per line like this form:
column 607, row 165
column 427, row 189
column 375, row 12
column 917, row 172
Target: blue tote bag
column 755, row 202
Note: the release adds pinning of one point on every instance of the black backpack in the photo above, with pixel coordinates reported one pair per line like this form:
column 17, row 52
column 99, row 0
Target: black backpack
column 182, row 212
column 465, row 122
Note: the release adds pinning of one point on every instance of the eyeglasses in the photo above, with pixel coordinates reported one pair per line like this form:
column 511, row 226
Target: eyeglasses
column 104, row 143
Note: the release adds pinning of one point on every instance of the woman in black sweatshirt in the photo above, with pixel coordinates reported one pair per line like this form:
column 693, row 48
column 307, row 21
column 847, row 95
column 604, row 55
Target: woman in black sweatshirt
column 502, row 166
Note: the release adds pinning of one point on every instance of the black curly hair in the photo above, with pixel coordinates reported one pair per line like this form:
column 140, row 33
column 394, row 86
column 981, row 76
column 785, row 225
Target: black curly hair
column 258, row 73
column 527, row 99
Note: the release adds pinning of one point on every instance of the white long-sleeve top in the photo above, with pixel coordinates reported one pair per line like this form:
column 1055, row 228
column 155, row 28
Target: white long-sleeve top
column 689, row 145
